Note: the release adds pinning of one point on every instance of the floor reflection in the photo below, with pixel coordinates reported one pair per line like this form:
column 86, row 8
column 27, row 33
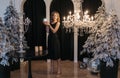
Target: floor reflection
column 75, row 70
column 41, row 69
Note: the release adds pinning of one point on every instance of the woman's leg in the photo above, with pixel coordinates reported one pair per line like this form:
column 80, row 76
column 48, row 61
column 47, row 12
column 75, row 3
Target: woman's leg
column 52, row 66
column 58, row 66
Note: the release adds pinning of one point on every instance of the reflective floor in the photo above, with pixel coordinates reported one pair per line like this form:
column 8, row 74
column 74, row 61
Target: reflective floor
column 40, row 69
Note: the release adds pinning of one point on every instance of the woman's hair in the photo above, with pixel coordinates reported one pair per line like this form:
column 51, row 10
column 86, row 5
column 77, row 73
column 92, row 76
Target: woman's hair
column 58, row 15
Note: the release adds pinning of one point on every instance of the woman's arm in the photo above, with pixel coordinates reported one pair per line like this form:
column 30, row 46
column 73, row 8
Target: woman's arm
column 54, row 30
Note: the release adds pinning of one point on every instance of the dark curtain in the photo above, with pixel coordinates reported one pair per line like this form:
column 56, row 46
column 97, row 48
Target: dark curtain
column 36, row 34
column 66, row 39
column 91, row 5
column 81, row 42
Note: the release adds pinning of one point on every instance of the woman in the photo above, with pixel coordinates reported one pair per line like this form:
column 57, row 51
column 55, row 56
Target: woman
column 53, row 41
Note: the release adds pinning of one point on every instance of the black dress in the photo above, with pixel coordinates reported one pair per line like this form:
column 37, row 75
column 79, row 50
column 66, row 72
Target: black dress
column 53, row 44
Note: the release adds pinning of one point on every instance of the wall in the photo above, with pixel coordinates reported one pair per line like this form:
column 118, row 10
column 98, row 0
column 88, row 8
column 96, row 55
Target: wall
column 117, row 7
column 115, row 4
column 5, row 3
column 108, row 5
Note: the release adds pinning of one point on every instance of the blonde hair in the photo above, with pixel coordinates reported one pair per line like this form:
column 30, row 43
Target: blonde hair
column 58, row 15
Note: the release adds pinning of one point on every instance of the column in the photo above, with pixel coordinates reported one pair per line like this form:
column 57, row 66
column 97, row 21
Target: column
column 75, row 45
column 47, row 2
column 77, row 7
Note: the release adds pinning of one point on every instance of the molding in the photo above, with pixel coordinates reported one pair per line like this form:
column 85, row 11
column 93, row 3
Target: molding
column 22, row 5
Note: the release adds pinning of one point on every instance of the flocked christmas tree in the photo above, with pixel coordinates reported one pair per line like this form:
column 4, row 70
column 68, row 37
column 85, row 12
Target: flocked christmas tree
column 5, row 46
column 12, row 38
column 11, row 20
column 105, row 42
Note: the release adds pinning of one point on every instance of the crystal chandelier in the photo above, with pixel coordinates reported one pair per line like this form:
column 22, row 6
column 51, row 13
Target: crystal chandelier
column 80, row 24
column 84, row 23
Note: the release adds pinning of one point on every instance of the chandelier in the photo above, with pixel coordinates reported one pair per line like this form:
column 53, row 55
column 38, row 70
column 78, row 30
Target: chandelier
column 84, row 22
column 80, row 24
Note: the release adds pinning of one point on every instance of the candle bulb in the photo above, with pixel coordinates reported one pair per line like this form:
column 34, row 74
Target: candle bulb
column 70, row 13
column 92, row 18
column 68, row 17
column 64, row 18
column 86, row 12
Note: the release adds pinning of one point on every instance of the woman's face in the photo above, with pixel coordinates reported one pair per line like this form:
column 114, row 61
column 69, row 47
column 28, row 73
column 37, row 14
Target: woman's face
column 54, row 16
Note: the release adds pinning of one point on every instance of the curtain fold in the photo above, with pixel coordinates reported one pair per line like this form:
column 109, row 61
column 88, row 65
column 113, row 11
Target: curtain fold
column 36, row 34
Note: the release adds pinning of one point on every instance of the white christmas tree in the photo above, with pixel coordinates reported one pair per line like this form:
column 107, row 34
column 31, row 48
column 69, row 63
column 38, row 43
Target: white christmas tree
column 5, row 46
column 11, row 20
column 105, row 41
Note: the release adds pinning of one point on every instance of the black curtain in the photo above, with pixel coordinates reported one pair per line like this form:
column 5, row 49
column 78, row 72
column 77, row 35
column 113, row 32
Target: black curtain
column 36, row 34
column 81, row 42
column 91, row 5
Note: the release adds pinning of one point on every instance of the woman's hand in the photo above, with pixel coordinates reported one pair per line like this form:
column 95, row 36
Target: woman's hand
column 46, row 23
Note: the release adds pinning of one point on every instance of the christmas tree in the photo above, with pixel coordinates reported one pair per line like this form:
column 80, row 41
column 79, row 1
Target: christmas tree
column 5, row 46
column 9, row 36
column 105, row 41
column 11, row 20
